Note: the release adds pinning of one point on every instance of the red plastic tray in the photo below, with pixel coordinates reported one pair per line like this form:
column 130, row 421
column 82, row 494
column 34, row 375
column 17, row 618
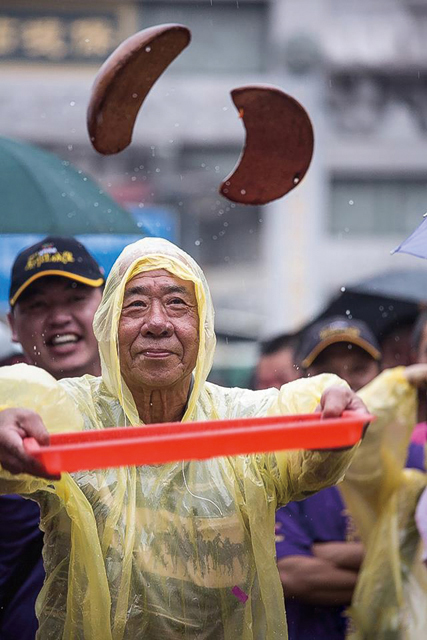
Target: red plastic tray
column 174, row 441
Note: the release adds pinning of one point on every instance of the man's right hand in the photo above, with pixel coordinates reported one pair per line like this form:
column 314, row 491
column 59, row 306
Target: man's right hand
column 15, row 425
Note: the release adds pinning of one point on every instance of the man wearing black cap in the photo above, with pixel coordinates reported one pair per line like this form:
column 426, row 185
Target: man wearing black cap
column 56, row 287
column 55, row 290
column 345, row 347
column 319, row 555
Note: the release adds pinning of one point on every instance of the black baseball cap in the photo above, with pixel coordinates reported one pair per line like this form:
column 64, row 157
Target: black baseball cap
column 54, row 256
column 323, row 333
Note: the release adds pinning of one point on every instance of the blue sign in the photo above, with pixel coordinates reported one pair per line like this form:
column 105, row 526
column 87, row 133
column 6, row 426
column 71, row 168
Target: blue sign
column 105, row 248
column 158, row 221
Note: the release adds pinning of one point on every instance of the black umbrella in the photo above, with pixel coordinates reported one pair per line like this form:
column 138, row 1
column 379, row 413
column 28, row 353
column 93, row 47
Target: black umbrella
column 386, row 301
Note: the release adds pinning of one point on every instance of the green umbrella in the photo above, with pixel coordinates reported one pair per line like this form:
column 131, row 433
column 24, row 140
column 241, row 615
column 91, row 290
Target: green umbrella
column 40, row 193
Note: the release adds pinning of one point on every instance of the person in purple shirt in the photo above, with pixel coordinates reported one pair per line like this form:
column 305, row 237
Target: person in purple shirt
column 318, row 553
column 56, row 287
column 322, row 588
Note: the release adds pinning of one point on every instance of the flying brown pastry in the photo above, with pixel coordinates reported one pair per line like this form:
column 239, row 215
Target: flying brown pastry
column 124, row 81
column 278, row 148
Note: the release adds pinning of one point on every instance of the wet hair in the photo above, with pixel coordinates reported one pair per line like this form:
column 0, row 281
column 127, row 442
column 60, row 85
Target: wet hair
column 282, row 341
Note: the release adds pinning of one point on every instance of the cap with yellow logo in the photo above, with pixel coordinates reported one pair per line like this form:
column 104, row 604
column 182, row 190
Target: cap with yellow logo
column 54, row 256
column 317, row 337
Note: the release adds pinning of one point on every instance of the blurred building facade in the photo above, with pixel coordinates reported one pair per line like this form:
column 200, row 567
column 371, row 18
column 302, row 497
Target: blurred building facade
column 359, row 68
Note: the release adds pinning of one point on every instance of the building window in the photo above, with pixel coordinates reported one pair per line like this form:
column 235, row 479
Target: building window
column 387, row 205
column 226, row 36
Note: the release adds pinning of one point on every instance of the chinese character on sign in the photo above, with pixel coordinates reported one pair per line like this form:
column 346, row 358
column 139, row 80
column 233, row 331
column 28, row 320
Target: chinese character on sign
column 43, row 37
column 9, row 38
column 92, row 37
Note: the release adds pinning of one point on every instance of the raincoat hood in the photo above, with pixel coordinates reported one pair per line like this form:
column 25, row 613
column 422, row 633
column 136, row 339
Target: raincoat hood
column 144, row 255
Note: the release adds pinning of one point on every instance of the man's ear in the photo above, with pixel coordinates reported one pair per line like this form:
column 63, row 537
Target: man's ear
column 11, row 320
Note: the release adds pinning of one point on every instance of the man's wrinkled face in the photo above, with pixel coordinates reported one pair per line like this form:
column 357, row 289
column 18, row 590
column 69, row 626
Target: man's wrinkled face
column 52, row 320
column 349, row 362
column 158, row 330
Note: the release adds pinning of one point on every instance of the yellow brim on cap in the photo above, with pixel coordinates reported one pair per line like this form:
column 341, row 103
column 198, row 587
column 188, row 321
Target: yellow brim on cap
column 342, row 337
column 55, row 272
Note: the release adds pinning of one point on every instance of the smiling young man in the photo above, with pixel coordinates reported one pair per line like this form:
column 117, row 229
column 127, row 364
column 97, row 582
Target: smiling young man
column 56, row 287
column 55, row 290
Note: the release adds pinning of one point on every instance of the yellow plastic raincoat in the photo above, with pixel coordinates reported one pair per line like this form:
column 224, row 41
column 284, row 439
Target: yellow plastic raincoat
column 155, row 552
column 390, row 599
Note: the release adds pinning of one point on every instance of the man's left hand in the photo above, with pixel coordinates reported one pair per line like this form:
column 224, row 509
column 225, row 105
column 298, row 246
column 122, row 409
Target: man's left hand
column 336, row 399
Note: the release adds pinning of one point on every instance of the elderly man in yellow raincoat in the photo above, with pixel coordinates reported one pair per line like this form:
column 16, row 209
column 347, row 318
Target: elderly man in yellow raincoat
column 157, row 552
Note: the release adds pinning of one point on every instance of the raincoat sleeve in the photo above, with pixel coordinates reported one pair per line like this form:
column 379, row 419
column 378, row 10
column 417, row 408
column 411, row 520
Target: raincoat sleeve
column 375, row 471
column 303, row 472
column 390, row 598
column 28, row 387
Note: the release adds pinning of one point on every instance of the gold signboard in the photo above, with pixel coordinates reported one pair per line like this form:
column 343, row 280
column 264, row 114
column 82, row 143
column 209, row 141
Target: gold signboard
column 39, row 36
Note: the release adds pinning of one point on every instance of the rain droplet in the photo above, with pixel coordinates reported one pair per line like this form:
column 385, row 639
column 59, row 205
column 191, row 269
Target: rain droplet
column 243, row 192
column 296, row 180
column 343, row 289
column 134, row 95
column 72, row 103
column 198, row 243
column 148, row 49
column 225, row 108
column 351, row 202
